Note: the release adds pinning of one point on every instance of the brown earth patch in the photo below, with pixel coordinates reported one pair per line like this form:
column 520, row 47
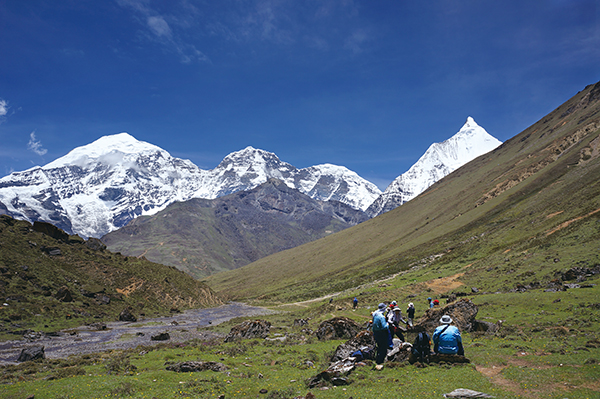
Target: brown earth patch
column 445, row 284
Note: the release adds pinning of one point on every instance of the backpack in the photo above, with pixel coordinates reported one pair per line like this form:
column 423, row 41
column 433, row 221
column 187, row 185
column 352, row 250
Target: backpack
column 421, row 347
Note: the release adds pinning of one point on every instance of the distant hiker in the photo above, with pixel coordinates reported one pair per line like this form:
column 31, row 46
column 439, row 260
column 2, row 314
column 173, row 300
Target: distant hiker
column 381, row 333
column 394, row 319
column 430, row 303
column 421, row 348
column 447, row 339
column 410, row 312
column 331, row 300
column 354, row 303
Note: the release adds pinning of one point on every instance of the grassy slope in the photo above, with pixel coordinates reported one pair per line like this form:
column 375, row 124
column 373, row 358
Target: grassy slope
column 508, row 199
column 30, row 280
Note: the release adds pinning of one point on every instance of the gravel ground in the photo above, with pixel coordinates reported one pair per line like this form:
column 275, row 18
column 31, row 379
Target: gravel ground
column 125, row 335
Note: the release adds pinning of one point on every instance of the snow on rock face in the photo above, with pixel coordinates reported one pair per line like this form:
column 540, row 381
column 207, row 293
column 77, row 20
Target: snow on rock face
column 99, row 187
column 439, row 160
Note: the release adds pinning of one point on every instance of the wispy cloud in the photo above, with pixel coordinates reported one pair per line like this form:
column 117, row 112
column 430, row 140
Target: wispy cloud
column 36, row 145
column 3, row 107
column 159, row 28
column 3, row 110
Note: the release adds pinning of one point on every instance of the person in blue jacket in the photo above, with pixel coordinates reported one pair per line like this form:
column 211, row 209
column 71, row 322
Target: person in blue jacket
column 447, row 339
column 381, row 333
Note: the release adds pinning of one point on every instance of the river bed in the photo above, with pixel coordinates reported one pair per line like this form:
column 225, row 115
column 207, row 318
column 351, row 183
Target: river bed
column 125, row 335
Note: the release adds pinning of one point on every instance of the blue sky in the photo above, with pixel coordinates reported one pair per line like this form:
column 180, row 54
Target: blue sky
column 364, row 84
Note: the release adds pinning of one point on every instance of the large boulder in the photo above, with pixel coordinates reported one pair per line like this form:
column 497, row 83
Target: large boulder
column 32, row 353
column 463, row 314
column 249, row 329
column 338, row 328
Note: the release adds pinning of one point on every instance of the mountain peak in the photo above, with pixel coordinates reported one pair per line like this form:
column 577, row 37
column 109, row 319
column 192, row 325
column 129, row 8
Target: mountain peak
column 120, row 143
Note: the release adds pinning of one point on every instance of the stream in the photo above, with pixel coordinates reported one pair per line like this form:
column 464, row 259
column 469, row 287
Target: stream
column 125, row 335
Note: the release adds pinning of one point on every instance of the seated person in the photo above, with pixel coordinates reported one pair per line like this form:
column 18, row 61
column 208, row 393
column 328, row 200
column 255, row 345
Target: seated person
column 447, row 339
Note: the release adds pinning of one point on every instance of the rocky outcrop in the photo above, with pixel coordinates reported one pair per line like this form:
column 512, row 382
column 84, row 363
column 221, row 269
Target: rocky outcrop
column 249, row 329
column 127, row 315
column 338, row 328
column 194, row 366
column 32, row 353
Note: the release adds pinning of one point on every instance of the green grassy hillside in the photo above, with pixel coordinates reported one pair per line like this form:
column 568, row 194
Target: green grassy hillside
column 516, row 215
column 51, row 283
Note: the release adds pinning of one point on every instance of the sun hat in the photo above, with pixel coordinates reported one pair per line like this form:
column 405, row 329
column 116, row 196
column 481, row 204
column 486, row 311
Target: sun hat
column 397, row 309
column 429, row 299
column 446, row 319
column 381, row 306
column 410, row 305
column 394, row 303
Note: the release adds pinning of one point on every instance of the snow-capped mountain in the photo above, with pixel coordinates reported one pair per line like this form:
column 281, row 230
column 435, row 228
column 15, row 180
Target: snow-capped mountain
column 99, row 187
column 439, row 160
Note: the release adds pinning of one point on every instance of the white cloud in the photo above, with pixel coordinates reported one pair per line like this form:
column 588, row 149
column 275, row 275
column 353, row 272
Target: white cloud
column 159, row 26
column 3, row 107
column 35, row 145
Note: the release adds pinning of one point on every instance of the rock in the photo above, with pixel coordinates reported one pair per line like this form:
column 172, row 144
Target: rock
column 193, row 366
column 127, row 315
column 484, row 326
column 249, row 329
column 300, row 322
column 161, row 337
column 466, row 393
column 474, row 290
column 53, row 251
column 32, row 353
column 400, row 352
column 64, row 295
column 360, row 340
column 338, row 328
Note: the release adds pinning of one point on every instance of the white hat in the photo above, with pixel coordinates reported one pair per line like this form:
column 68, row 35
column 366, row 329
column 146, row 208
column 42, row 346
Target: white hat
column 410, row 305
column 397, row 309
column 446, row 319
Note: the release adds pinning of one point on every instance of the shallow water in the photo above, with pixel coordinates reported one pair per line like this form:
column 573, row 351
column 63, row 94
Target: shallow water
column 124, row 335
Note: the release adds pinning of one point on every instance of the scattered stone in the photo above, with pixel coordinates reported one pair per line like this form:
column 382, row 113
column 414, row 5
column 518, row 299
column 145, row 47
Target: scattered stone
column 263, row 391
column 300, row 322
column 161, row 337
column 249, row 329
column 193, row 366
column 127, row 315
column 474, row 290
column 462, row 393
column 338, row 328
column 32, row 353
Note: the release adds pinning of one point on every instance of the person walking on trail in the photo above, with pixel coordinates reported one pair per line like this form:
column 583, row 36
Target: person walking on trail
column 354, row 303
column 410, row 312
column 381, row 333
column 394, row 319
column 447, row 339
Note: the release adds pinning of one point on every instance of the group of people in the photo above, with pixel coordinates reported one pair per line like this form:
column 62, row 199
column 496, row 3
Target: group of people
column 386, row 324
